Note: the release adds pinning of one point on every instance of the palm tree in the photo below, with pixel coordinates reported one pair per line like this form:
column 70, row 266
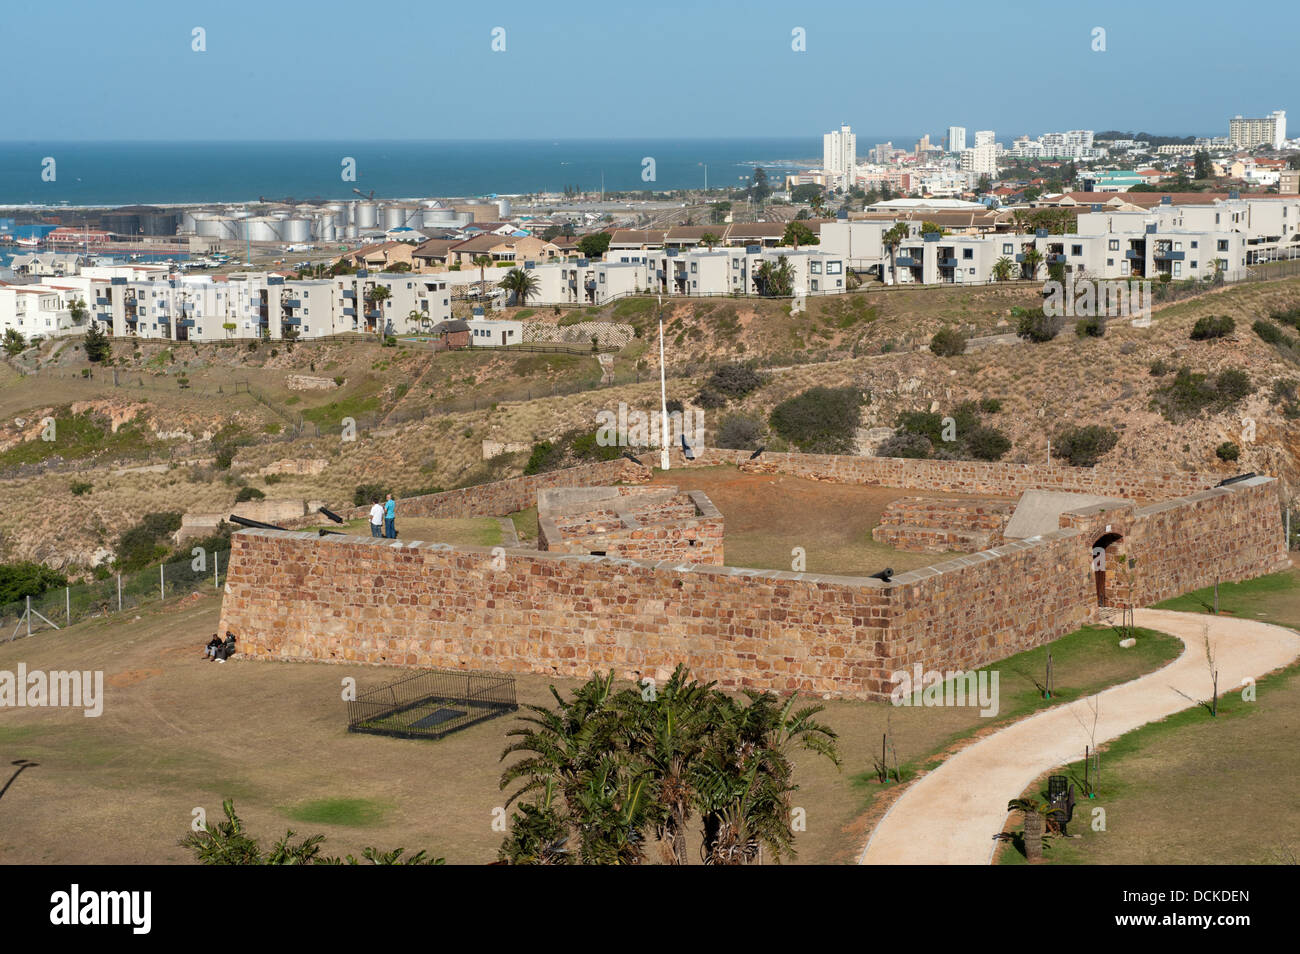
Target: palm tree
column 522, row 282
column 376, row 295
column 709, row 240
column 1035, row 814
column 1003, row 268
column 892, row 238
column 1032, row 259
column 482, row 261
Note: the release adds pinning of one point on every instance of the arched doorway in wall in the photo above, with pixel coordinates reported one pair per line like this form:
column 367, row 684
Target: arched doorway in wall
column 1105, row 556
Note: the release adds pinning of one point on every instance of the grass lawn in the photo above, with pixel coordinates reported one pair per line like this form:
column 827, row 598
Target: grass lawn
column 459, row 531
column 178, row 733
column 1195, row 789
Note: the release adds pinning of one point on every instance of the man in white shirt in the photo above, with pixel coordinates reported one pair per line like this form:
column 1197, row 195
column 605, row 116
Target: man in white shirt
column 377, row 519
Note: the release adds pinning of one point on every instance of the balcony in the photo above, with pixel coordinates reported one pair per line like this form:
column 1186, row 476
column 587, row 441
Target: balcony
column 292, row 303
column 102, row 301
column 1134, row 253
column 1169, row 255
column 349, row 293
column 185, row 323
column 292, row 320
column 350, row 311
column 906, row 261
column 948, row 263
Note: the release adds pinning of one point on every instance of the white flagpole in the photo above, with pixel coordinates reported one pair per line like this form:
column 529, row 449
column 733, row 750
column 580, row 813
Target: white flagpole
column 664, row 463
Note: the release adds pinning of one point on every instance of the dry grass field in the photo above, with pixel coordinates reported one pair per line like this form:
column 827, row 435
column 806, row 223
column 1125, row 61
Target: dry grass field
column 179, row 733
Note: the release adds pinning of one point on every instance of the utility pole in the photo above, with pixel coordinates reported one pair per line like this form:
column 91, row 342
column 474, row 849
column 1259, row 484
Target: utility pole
column 664, row 462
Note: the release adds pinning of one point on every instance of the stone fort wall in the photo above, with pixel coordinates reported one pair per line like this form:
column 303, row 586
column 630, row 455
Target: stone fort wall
column 293, row 595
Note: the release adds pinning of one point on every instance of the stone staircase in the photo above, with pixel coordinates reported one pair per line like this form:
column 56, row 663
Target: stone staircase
column 939, row 525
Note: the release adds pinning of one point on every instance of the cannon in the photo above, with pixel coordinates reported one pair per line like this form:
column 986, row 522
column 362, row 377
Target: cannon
column 253, row 524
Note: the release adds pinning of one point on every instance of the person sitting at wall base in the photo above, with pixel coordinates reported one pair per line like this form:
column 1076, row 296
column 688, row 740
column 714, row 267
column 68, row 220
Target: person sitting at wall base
column 213, row 645
column 227, row 648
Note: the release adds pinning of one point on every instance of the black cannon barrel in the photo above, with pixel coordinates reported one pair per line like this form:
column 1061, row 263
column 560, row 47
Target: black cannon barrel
column 331, row 514
column 1233, row 480
column 255, row 524
column 883, row 575
column 337, row 533
column 754, row 456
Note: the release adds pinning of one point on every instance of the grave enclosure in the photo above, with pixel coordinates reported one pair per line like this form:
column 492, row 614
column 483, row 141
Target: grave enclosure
column 296, row 596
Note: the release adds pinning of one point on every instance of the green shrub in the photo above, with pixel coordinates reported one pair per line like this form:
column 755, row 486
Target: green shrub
column 1232, row 385
column 80, row 488
column 1159, row 369
column 140, row 545
column 1269, row 332
column 1212, row 326
column 366, row 494
column 990, row 405
column 906, row 444
column 711, row 400
column 1084, row 446
column 1038, row 326
column 739, row 432
column 734, row 380
column 1227, row 451
column 21, row 580
column 1091, row 327
column 948, row 343
column 541, row 459
column 249, row 493
column 987, row 443
column 273, row 478
column 820, row 420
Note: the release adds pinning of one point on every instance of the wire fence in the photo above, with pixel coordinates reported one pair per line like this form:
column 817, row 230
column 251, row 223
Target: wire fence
column 432, row 703
column 68, row 605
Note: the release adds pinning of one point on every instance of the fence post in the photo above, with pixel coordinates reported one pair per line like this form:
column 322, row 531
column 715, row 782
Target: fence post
column 119, row 592
column 162, row 583
column 67, row 591
column 216, row 570
column 28, row 615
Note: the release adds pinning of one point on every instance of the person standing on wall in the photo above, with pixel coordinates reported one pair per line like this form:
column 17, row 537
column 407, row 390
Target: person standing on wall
column 390, row 518
column 377, row 519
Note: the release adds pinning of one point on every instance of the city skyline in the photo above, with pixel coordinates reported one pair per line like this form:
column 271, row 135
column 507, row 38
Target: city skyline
column 258, row 74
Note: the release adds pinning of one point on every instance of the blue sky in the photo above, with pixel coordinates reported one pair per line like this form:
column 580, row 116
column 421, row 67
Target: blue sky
column 289, row 69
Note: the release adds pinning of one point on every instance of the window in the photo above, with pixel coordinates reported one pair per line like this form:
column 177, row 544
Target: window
column 1007, row 248
column 1110, row 263
column 1223, row 245
column 834, row 268
column 815, row 268
column 1178, row 268
column 968, row 253
column 1113, row 245
column 814, row 284
column 694, row 268
column 1193, row 245
column 1193, row 265
column 1076, row 250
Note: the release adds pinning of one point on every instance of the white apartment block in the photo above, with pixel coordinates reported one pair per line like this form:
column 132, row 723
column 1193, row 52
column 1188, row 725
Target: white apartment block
column 982, row 160
column 956, row 138
column 840, row 156
column 985, row 137
column 1253, row 133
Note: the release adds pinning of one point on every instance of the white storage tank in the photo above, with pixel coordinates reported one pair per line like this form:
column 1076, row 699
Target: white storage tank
column 367, row 215
column 503, row 208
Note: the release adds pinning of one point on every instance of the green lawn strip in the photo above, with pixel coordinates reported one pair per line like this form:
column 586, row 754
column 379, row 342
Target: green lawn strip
column 1022, row 674
column 1117, row 778
column 1274, row 598
column 353, row 812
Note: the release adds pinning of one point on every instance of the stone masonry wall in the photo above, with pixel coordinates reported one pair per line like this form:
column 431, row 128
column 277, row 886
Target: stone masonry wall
column 298, row 596
column 997, row 479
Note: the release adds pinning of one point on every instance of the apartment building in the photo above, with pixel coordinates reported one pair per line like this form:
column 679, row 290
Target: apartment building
column 1270, row 131
column 40, row 310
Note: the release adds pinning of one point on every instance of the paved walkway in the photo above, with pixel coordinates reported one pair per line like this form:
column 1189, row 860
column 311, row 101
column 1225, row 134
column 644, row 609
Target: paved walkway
column 951, row 815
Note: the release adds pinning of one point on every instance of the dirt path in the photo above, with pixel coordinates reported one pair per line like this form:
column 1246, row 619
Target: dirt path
column 951, row 815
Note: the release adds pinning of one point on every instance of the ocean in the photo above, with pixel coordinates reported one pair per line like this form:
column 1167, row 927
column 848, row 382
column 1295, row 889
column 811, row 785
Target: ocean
column 122, row 173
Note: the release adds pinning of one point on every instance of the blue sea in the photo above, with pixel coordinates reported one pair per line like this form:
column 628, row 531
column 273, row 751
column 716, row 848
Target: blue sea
column 127, row 173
